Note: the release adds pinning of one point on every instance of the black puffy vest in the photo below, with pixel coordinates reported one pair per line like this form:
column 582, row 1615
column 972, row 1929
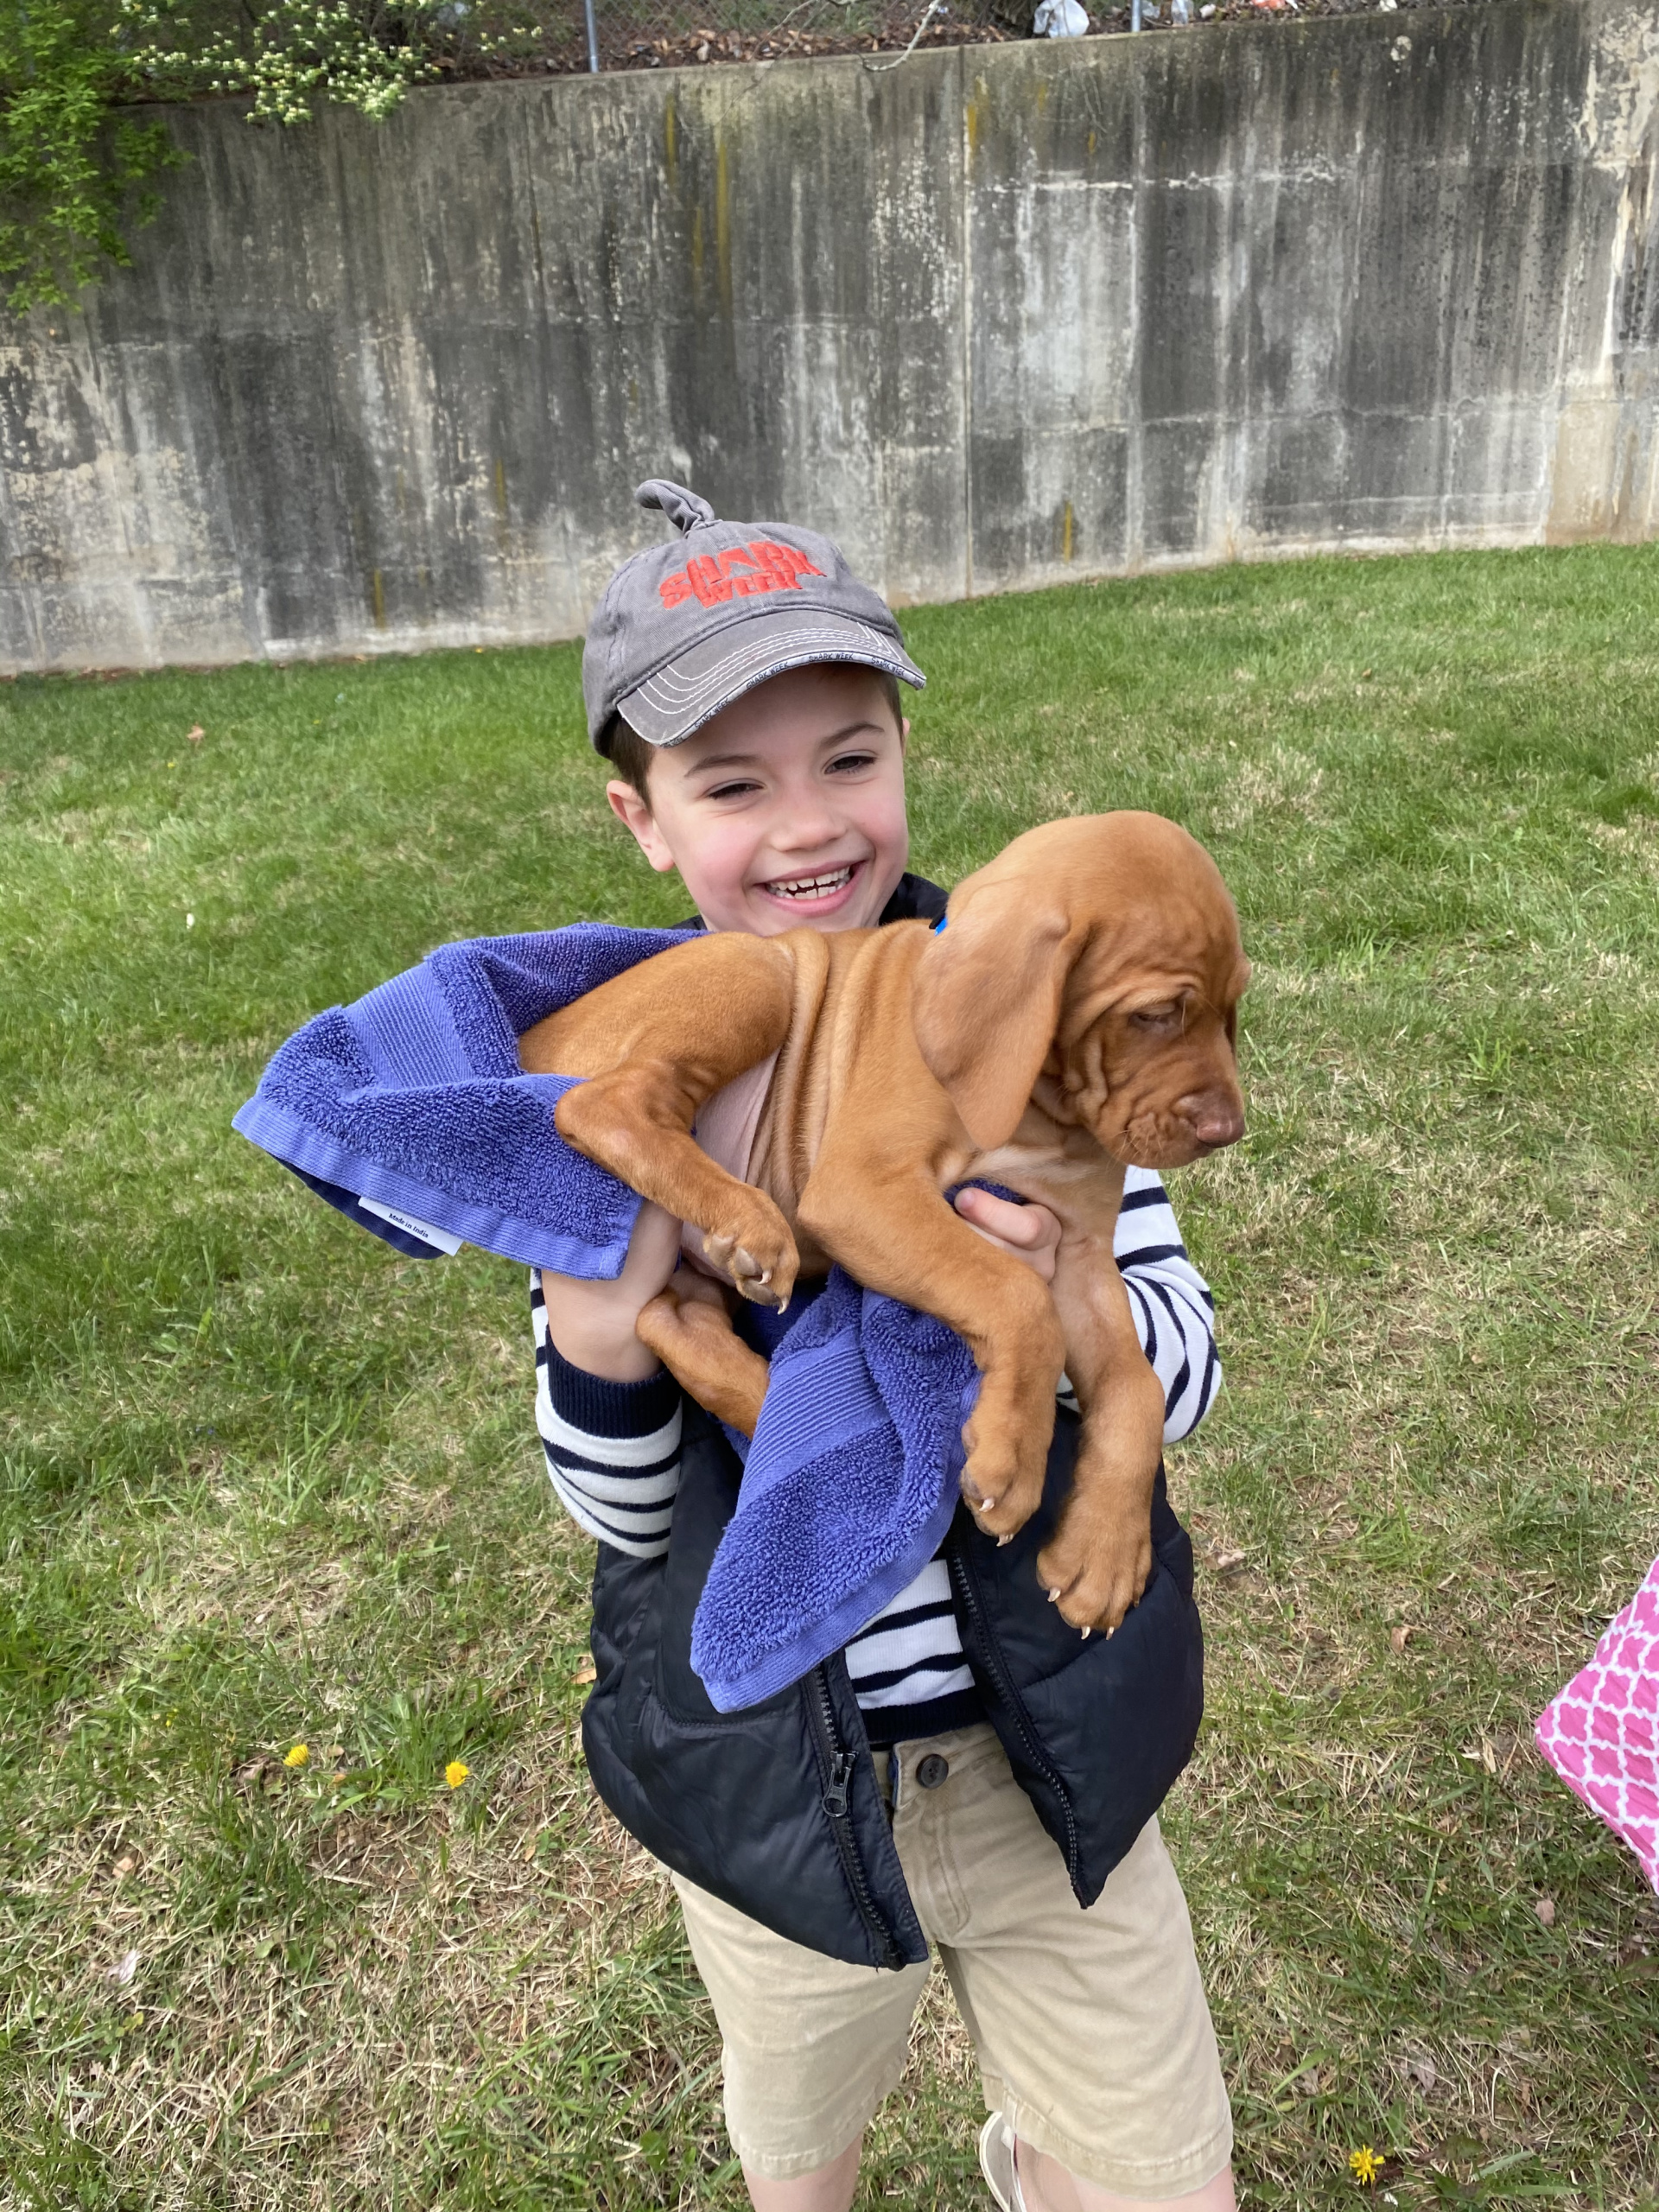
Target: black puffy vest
column 777, row 1809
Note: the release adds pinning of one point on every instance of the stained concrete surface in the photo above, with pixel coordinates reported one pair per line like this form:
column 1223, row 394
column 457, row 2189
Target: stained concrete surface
column 995, row 317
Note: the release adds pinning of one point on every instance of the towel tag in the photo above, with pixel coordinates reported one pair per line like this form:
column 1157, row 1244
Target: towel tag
column 440, row 1239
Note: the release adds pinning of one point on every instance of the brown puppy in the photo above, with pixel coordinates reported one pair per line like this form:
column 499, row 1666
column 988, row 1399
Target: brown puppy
column 1075, row 1015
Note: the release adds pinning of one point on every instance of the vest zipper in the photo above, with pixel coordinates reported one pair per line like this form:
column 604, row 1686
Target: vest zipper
column 961, row 1581
column 837, row 1765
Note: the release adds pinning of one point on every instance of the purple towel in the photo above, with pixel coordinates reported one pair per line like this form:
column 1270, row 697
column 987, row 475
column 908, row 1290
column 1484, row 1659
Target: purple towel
column 409, row 1112
column 413, row 1099
column 848, row 1490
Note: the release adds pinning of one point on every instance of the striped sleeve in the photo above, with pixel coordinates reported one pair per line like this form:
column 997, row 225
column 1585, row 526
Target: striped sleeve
column 612, row 1449
column 1170, row 1302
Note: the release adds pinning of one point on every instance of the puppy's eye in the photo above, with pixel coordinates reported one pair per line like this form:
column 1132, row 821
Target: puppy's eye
column 1156, row 1017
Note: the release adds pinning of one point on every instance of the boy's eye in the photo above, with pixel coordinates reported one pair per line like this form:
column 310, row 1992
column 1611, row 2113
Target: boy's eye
column 739, row 789
column 849, row 764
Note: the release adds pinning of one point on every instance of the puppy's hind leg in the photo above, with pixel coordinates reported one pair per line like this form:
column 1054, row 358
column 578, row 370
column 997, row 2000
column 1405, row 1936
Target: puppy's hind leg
column 688, row 1327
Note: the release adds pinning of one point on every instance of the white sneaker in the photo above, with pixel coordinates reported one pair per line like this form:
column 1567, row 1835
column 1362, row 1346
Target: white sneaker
column 996, row 2164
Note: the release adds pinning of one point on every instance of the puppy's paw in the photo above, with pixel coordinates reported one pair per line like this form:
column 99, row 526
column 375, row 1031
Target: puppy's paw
column 694, row 1339
column 1002, row 1475
column 753, row 1247
column 677, row 1317
column 1097, row 1564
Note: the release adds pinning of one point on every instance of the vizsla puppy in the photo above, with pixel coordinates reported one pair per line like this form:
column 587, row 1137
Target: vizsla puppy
column 1075, row 1015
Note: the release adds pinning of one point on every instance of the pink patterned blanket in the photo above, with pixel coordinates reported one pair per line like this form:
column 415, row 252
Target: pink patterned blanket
column 1601, row 1733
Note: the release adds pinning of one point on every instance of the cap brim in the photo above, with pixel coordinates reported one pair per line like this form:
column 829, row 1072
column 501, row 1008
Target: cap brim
column 669, row 707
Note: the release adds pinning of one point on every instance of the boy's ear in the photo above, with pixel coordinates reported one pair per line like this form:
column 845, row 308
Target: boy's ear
column 985, row 1003
column 635, row 814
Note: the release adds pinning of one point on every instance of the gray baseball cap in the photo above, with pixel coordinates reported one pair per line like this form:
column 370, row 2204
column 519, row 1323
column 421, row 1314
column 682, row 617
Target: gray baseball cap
column 685, row 628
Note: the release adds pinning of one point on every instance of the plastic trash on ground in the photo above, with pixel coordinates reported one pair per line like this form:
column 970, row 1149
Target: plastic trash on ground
column 1060, row 19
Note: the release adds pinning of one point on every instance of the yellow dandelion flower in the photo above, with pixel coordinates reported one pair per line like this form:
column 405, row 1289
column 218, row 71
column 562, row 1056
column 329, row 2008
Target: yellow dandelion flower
column 298, row 1756
column 454, row 1774
column 1365, row 2165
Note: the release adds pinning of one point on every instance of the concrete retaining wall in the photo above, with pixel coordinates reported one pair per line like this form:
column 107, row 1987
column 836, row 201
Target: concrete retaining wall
column 994, row 317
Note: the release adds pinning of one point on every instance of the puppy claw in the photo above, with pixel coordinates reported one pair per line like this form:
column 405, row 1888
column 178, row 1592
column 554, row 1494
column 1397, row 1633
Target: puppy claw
column 1003, row 1540
column 1053, row 1596
column 1087, row 1633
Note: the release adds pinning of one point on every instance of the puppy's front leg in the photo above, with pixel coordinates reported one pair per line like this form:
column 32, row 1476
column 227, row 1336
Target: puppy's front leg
column 654, row 1043
column 635, row 1120
column 1099, row 1558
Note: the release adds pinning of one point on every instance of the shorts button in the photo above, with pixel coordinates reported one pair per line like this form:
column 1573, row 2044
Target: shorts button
column 931, row 1770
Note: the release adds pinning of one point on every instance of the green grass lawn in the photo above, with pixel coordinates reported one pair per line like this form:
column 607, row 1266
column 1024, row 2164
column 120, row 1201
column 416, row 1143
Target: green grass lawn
column 265, row 1483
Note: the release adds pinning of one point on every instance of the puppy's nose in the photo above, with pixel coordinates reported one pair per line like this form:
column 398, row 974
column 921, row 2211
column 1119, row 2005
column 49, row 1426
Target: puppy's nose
column 1214, row 1118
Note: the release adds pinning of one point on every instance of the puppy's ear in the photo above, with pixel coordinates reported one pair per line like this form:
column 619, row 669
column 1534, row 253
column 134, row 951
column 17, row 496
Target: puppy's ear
column 985, row 1002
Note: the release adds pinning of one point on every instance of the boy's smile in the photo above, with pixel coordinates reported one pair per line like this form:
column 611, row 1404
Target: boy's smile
column 787, row 810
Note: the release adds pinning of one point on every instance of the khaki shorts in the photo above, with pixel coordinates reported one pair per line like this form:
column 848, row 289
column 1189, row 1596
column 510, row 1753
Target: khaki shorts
column 1093, row 2036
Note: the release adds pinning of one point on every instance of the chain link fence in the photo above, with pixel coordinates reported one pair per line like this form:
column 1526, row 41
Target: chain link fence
column 490, row 37
column 634, row 33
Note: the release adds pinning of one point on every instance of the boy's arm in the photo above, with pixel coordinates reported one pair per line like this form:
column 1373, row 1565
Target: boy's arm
column 1171, row 1302
column 609, row 1416
column 593, row 1322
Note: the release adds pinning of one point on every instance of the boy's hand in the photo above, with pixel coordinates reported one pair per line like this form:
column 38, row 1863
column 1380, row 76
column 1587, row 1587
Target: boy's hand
column 1031, row 1233
column 592, row 1324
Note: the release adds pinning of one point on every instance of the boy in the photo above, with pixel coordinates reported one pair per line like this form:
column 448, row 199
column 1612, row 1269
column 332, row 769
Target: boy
column 744, row 685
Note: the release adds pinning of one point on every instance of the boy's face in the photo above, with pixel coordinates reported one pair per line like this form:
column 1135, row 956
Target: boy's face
column 786, row 810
